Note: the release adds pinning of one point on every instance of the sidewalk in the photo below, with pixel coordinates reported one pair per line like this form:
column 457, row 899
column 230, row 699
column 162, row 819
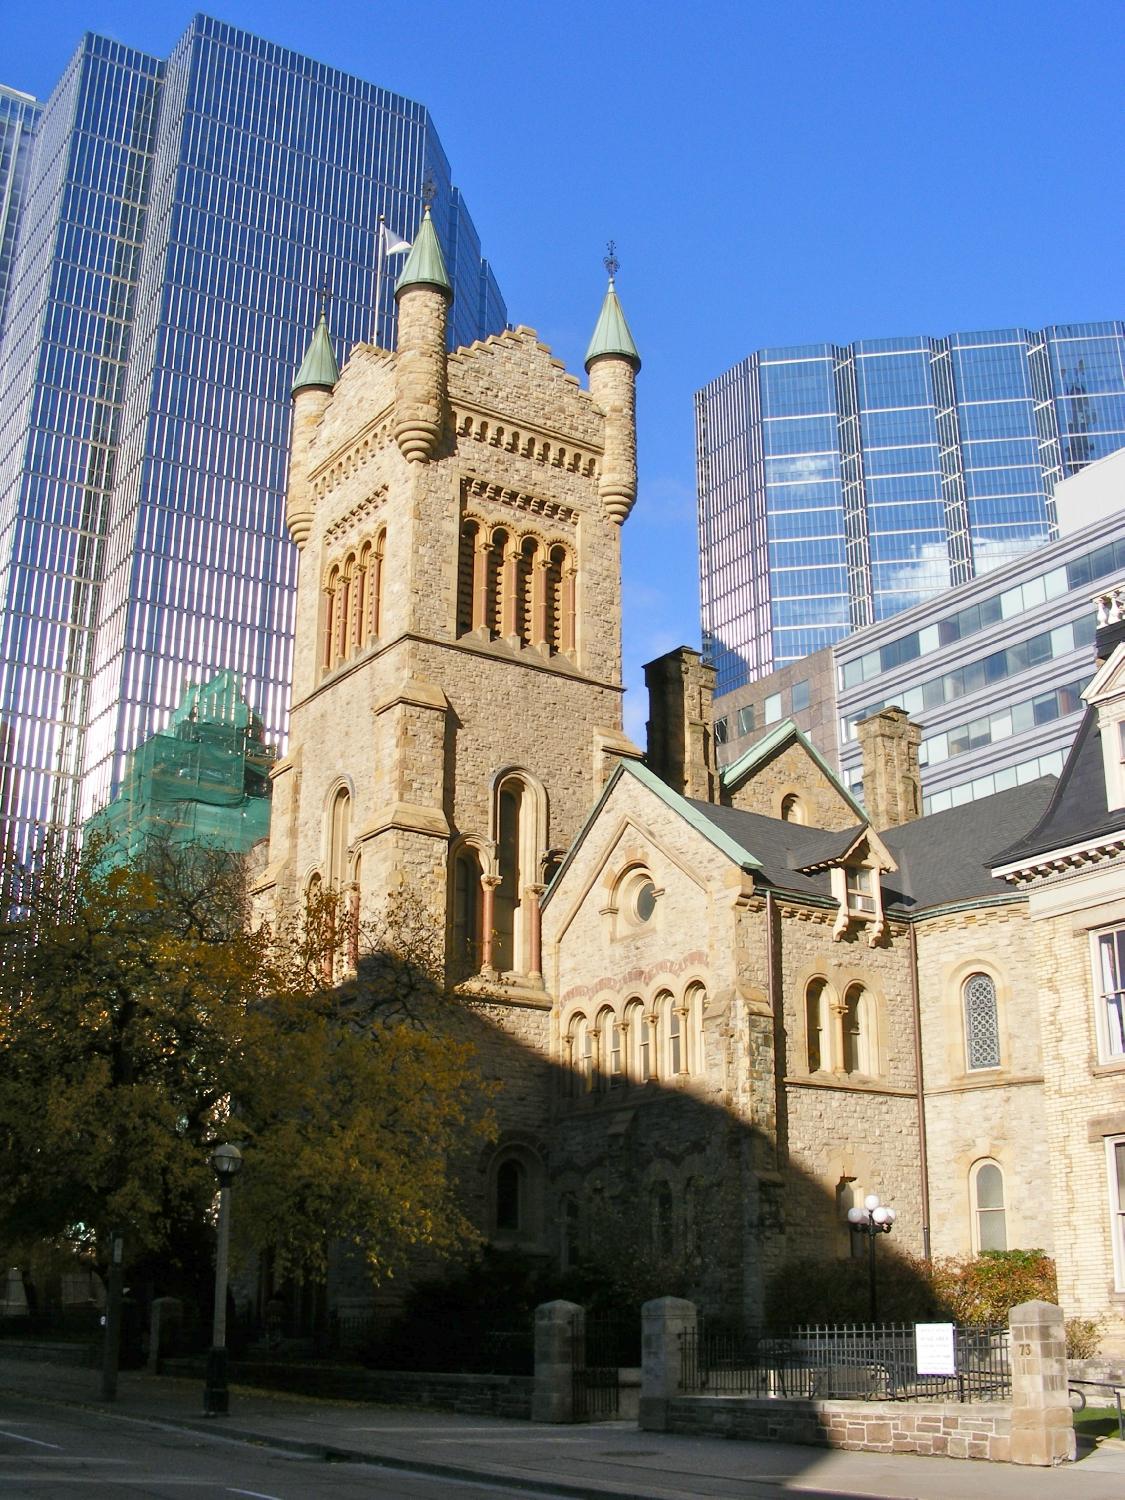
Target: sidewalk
column 604, row 1459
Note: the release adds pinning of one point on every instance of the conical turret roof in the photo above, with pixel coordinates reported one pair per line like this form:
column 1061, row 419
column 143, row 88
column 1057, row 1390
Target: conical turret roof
column 425, row 265
column 318, row 368
column 611, row 335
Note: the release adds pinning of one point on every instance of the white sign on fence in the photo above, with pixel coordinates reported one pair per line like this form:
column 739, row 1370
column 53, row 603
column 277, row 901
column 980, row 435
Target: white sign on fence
column 933, row 1344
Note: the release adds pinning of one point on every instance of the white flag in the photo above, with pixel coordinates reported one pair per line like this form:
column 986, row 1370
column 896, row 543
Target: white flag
column 393, row 244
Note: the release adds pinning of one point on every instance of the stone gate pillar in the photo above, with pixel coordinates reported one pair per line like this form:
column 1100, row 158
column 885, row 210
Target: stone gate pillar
column 662, row 1322
column 1042, row 1422
column 559, row 1330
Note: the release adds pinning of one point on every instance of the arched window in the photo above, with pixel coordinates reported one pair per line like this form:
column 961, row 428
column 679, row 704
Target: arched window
column 331, row 606
column 467, row 911
column 859, row 1032
column 982, row 1024
column 633, row 1026
column 520, row 831
column 466, row 575
column 525, row 574
column 694, row 1001
column 988, row 1205
column 375, row 585
column 496, row 561
column 609, row 1035
column 510, row 1186
column 792, row 809
column 662, row 1237
column 579, row 1045
column 344, row 613
column 666, row 1062
column 816, row 1029
column 338, row 839
column 508, row 892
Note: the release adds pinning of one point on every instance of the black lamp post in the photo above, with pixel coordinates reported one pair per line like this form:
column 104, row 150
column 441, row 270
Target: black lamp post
column 226, row 1163
column 872, row 1219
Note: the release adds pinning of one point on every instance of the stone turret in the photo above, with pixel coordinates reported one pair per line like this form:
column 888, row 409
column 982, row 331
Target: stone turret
column 312, row 390
column 892, row 782
column 423, row 294
column 612, row 363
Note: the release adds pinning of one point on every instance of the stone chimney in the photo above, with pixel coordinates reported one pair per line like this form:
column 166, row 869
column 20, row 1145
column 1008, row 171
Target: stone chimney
column 681, row 733
column 892, row 784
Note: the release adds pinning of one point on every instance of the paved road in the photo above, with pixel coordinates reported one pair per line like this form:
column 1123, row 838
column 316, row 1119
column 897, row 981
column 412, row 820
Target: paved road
column 153, row 1441
column 62, row 1455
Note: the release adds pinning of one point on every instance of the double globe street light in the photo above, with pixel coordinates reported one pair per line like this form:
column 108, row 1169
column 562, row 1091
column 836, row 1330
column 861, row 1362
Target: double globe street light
column 872, row 1219
column 226, row 1163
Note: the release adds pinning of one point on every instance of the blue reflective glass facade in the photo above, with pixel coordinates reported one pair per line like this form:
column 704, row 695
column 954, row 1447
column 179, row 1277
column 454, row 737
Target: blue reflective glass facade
column 179, row 218
column 841, row 484
column 19, row 115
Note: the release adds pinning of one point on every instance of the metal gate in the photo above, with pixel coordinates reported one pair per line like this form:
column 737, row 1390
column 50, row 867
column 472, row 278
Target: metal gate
column 601, row 1347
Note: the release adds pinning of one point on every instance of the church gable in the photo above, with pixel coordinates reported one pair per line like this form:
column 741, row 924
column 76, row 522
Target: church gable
column 783, row 776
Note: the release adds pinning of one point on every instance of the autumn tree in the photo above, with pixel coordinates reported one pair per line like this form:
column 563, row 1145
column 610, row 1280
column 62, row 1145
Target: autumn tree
column 142, row 1021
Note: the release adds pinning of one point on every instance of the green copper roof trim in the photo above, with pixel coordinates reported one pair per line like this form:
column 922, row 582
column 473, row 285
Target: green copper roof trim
column 319, row 367
column 425, row 265
column 691, row 815
column 773, row 740
column 611, row 335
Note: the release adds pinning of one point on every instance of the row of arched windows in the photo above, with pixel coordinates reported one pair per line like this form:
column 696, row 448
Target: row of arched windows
column 353, row 602
column 841, row 1033
column 661, row 1039
column 517, row 587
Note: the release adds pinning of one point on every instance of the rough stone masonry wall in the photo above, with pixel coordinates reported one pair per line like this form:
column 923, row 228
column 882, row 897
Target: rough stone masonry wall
column 949, row 1431
column 793, row 770
column 993, row 1113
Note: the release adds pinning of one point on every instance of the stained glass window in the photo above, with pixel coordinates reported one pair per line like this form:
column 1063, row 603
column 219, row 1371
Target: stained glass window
column 982, row 1026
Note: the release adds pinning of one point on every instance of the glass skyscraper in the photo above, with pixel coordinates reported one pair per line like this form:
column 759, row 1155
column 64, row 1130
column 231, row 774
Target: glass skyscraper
column 178, row 219
column 841, row 484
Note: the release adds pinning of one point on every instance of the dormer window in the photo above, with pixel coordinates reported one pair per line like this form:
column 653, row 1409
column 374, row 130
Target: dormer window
column 860, row 884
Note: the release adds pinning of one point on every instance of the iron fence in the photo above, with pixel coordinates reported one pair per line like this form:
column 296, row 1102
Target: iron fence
column 855, row 1362
column 606, row 1343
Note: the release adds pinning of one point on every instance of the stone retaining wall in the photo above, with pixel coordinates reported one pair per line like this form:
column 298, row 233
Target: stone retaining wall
column 476, row 1395
column 954, row 1430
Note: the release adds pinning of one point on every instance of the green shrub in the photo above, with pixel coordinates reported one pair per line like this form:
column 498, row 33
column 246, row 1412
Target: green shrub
column 1083, row 1337
column 978, row 1290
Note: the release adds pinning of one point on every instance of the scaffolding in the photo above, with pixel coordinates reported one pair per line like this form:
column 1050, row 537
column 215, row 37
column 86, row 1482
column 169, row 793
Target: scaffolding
column 202, row 780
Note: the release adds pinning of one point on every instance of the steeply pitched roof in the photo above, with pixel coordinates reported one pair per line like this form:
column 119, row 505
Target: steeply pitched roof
column 773, row 740
column 319, row 369
column 941, row 859
column 1078, row 811
column 425, row 265
column 611, row 334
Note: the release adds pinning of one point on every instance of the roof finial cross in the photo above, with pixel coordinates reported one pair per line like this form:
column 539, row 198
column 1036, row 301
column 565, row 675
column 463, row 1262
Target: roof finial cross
column 323, row 293
column 429, row 189
column 611, row 263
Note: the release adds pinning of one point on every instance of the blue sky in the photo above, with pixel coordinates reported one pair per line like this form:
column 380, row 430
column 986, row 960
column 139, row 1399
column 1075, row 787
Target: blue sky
column 772, row 173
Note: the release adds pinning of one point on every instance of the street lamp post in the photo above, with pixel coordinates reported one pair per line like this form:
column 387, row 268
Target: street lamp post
column 226, row 1162
column 872, row 1219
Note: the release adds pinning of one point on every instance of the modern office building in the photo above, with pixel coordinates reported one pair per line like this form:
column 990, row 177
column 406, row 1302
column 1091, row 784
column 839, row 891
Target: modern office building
column 19, row 114
column 179, row 217
column 992, row 671
column 839, row 485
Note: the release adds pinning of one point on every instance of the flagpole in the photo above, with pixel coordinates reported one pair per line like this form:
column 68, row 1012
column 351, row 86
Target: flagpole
column 379, row 253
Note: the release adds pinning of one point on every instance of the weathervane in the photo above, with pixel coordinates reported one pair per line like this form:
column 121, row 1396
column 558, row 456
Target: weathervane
column 429, row 189
column 323, row 292
column 611, row 263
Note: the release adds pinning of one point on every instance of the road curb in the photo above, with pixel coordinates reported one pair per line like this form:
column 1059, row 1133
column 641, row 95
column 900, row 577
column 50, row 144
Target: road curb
column 216, row 1427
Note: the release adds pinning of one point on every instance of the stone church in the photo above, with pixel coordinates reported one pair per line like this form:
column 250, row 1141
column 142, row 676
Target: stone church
column 732, row 1003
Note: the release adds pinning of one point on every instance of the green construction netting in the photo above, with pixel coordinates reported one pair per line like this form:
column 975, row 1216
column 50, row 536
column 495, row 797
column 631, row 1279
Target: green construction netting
column 203, row 779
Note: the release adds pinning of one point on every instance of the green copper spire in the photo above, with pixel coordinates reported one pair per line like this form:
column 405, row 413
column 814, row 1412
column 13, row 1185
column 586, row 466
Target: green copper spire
column 318, row 368
column 425, row 265
column 612, row 336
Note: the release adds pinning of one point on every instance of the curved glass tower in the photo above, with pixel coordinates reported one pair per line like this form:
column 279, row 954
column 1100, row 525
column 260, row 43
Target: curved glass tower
column 178, row 219
column 841, row 484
